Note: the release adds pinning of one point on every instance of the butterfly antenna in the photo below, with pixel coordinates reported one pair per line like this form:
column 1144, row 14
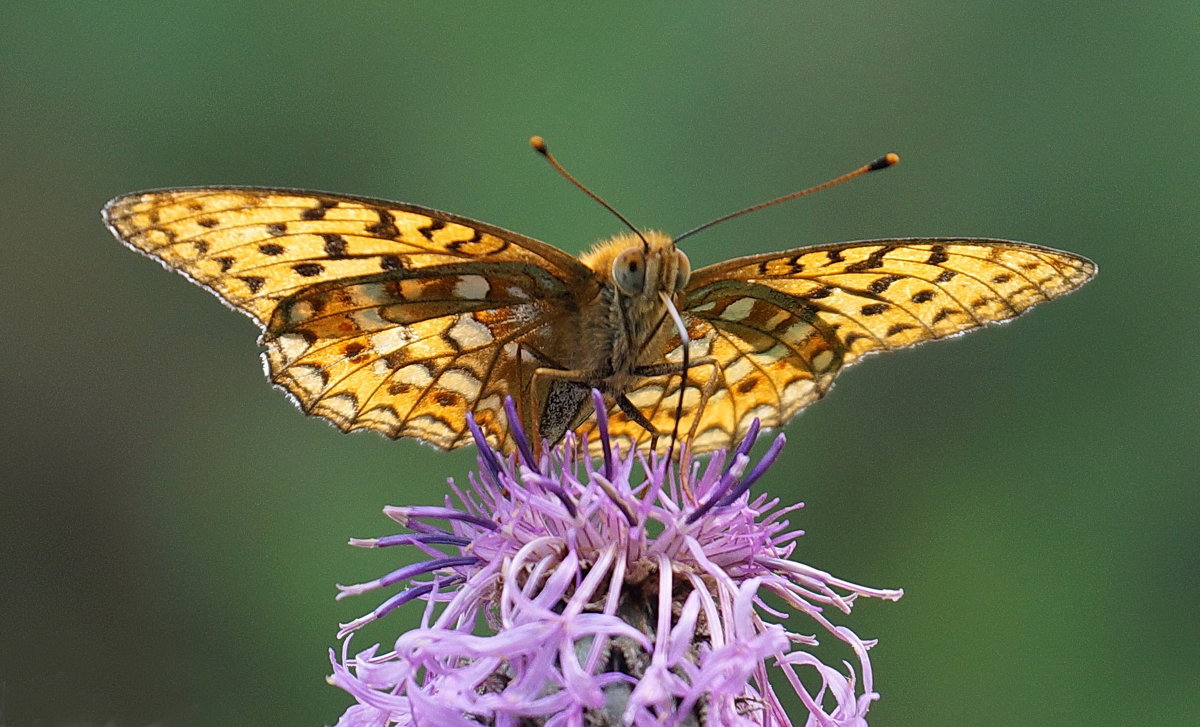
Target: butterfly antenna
column 882, row 162
column 539, row 145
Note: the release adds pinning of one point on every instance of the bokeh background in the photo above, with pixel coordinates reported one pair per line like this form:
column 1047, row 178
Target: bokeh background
column 171, row 529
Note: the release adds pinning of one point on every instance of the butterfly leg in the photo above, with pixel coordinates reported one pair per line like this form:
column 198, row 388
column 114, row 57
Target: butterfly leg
column 635, row 415
column 578, row 376
column 671, row 369
column 706, row 391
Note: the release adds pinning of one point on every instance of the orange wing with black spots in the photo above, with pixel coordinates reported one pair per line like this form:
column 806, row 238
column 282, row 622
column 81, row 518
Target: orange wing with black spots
column 775, row 330
column 375, row 314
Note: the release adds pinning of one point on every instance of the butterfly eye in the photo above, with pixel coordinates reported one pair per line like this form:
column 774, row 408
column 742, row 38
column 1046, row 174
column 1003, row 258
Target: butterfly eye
column 629, row 271
column 683, row 272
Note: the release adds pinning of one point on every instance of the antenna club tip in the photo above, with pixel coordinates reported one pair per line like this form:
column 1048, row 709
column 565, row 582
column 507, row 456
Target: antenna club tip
column 538, row 144
column 884, row 161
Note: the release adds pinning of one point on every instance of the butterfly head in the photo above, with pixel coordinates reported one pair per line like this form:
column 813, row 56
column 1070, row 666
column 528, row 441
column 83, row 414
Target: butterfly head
column 641, row 269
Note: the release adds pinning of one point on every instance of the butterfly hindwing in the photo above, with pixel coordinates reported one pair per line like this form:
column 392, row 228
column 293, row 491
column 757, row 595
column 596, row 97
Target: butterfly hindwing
column 375, row 314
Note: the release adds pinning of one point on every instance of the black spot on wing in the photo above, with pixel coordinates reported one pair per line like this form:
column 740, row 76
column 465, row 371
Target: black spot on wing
column 308, row 270
column 852, row 337
column 318, row 212
column 385, row 227
column 879, row 285
column 253, row 282
column 872, row 261
column 335, row 245
column 432, row 227
column 458, row 245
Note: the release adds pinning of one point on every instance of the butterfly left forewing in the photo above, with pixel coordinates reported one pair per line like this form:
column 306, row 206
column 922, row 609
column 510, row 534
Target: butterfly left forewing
column 375, row 314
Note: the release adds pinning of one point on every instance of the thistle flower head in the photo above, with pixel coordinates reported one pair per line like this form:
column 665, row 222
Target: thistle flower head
column 621, row 591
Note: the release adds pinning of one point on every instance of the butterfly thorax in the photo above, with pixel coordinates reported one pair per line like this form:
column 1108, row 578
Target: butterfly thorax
column 627, row 322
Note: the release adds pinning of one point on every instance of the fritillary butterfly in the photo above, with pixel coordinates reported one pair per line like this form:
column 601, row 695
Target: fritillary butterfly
column 403, row 319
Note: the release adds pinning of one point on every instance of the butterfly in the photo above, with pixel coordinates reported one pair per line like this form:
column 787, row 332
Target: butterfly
column 403, row 319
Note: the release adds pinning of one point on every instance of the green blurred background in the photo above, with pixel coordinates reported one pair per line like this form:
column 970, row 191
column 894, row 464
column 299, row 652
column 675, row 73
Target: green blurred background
column 171, row 528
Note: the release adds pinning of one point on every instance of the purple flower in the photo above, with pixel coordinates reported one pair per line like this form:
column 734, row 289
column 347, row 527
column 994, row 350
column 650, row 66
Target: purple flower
column 621, row 591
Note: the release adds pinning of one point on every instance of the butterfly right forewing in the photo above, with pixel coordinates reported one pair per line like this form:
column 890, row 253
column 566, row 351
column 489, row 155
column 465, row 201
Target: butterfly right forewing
column 887, row 294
